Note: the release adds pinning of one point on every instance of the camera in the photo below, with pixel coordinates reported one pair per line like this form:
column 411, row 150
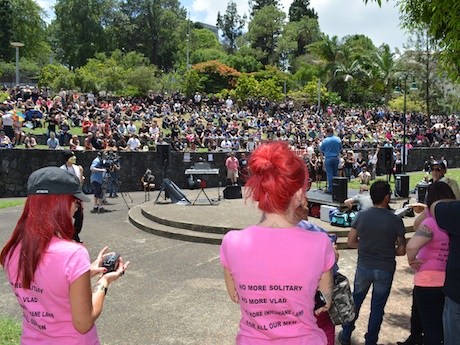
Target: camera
column 110, row 262
column 110, row 159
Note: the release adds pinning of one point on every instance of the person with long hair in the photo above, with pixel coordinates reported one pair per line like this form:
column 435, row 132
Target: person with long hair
column 274, row 269
column 48, row 272
column 427, row 253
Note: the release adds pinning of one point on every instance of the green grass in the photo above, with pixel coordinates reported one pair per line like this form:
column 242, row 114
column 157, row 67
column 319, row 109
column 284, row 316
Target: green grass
column 11, row 203
column 10, row 331
column 415, row 177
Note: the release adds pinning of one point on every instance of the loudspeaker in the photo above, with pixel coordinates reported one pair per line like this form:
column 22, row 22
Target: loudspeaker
column 163, row 152
column 173, row 192
column 339, row 189
column 385, row 160
column 233, row 192
column 420, row 190
column 402, row 186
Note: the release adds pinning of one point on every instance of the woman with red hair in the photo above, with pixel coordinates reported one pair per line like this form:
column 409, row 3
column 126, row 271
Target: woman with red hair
column 274, row 269
column 50, row 274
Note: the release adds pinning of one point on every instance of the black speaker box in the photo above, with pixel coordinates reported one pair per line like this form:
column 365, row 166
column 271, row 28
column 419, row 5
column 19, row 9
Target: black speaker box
column 163, row 152
column 339, row 189
column 385, row 160
column 233, row 192
column 402, row 186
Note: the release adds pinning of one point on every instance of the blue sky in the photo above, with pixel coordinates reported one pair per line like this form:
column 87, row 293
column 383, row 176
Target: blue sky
column 336, row 17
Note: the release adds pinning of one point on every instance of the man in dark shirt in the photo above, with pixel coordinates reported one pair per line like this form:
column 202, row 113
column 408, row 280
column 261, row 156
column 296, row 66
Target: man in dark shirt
column 374, row 232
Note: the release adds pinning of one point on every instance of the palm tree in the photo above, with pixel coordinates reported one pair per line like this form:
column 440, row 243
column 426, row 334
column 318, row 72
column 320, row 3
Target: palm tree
column 383, row 63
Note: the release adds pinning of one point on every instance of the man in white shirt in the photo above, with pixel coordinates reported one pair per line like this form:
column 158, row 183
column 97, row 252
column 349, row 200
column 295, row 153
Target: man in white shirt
column 134, row 143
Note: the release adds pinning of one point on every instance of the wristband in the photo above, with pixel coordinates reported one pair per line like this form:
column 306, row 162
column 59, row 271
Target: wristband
column 100, row 287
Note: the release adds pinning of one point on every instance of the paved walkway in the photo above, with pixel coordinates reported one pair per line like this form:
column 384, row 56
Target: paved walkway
column 174, row 292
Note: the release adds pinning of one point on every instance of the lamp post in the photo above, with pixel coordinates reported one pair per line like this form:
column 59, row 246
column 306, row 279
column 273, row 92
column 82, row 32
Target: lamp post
column 17, row 45
column 397, row 90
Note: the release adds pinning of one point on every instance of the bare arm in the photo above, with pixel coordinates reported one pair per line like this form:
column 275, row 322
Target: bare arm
column 85, row 304
column 422, row 237
column 353, row 239
column 401, row 246
column 326, row 286
column 230, row 283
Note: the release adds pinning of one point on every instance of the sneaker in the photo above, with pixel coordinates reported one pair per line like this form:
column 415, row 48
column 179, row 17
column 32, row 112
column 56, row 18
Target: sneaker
column 102, row 210
column 94, row 210
column 342, row 339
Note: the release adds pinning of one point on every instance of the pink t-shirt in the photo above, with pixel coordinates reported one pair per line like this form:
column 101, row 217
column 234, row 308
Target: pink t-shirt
column 432, row 273
column 232, row 163
column 276, row 273
column 46, row 305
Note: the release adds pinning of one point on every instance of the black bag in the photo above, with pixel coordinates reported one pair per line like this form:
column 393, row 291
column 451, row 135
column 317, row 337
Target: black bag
column 343, row 307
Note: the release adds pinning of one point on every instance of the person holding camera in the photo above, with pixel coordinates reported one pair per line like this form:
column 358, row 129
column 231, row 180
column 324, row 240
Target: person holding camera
column 48, row 272
column 97, row 179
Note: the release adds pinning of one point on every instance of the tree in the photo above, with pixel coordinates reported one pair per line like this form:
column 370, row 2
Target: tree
column 299, row 10
column 154, row 28
column 264, row 31
column 231, row 24
column 79, row 29
column 256, row 5
column 384, row 65
column 23, row 22
column 441, row 19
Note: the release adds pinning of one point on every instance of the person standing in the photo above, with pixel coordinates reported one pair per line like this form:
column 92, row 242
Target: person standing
column 374, row 232
column 51, row 275
column 232, row 165
column 274, row 269
column 71, row 166
column 97, row 178
column 446, row 214
column 331, row 147
column 427, row 253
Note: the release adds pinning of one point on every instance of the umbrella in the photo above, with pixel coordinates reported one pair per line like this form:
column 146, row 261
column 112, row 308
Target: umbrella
column 18, row 113
column 437, row 126
column 30, row 114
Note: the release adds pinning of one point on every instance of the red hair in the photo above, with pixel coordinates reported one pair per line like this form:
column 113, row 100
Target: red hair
column 276, row 174
column 44, row 217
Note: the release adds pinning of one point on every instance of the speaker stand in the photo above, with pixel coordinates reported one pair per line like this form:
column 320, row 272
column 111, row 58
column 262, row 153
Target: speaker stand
column 162, row 190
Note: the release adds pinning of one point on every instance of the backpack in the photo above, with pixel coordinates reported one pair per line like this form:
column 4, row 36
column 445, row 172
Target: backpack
column 315, row 210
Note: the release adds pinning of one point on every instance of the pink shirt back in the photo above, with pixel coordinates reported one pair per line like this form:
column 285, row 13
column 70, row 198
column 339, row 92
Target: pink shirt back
column 276, row 272
column 46, row 305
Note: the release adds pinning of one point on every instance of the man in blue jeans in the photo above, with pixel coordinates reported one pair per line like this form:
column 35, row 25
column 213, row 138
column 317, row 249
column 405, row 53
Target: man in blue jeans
column 331, row 147
column 374, row 232
column 446, row 214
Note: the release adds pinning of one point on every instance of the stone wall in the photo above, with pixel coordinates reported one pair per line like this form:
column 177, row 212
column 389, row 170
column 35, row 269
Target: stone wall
column 16, row 166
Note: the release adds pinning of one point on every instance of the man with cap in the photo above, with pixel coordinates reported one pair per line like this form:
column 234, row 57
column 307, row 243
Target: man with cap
column 70, row 166
column 438, row 170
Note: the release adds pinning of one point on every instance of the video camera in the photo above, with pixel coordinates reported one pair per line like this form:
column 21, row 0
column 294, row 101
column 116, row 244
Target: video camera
column 110, row 159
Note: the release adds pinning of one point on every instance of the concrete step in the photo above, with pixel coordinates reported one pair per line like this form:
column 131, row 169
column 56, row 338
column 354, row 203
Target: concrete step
column 137, row 218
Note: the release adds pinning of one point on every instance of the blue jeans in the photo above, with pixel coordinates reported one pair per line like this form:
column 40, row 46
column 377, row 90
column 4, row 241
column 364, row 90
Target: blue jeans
column 381, row 281
column 451, row 321
column 332, row 170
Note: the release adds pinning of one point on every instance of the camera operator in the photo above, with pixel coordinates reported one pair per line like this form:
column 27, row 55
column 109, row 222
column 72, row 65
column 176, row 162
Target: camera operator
column 97, row 174
column 112, row 170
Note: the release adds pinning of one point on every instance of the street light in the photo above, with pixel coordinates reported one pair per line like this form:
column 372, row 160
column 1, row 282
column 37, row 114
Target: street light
column 397, row 90
column 17, row 45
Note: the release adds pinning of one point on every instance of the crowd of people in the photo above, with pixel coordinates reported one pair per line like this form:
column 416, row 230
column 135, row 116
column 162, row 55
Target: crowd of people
column 214, row 123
